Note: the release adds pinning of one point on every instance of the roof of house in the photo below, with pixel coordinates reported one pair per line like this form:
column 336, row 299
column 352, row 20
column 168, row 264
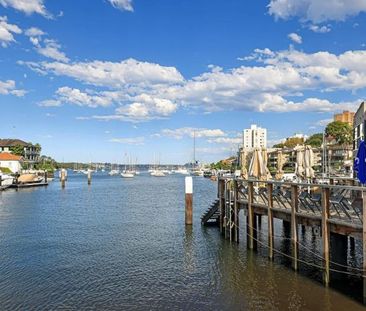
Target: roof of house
column 6, row 156
column 13, row 142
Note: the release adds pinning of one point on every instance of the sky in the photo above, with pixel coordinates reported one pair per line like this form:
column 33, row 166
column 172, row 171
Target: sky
column 96, row 80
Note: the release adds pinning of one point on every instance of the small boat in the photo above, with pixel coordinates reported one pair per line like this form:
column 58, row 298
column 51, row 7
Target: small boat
column 6, row 180
column 127, row 174
column 114, row 172
column 157, row 173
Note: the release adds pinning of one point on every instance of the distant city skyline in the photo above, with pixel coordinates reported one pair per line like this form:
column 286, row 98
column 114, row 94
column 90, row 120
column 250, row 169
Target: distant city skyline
column 94, row 80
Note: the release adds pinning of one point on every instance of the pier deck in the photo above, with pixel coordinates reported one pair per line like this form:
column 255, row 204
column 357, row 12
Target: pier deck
column 339, row 210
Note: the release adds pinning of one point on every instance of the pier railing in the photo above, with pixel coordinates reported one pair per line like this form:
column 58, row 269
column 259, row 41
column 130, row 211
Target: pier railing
column 339, row 209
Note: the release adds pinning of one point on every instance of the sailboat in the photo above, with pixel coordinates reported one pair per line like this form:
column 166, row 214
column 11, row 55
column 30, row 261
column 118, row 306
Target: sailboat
column 127, row 173
column 195, row 171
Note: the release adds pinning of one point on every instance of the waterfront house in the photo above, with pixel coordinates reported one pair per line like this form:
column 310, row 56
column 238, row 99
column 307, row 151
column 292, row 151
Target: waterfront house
column 29, row 152
column 11, row 161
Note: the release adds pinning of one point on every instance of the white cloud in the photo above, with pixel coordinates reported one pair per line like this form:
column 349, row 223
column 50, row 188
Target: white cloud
column 124, row 5
column 319, row 29
column 50, row 103
column 34, row 32
column 295, row 37
column 226, row 140
column 7, row 31
column 316, row 11
column 27, row 6
column 9, row 88
column 50, row 49
column 128, row 140
column 179, row 133
column 275, row 81
column 114, row 74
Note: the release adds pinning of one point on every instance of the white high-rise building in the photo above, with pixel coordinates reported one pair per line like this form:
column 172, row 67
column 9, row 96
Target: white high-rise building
column 254, row 137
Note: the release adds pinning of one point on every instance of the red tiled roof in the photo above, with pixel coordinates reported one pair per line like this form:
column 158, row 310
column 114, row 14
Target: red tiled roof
column 6, row 156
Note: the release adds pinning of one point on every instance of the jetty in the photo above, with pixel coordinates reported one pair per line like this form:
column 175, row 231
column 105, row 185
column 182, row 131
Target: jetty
column 333, row 212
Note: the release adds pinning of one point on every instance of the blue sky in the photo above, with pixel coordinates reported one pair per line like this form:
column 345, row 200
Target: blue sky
column 93, row 80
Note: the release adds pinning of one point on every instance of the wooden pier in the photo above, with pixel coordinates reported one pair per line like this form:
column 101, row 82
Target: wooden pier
column 337, row 211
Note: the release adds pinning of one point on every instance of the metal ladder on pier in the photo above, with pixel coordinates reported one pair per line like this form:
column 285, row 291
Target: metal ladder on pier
column 212, row 215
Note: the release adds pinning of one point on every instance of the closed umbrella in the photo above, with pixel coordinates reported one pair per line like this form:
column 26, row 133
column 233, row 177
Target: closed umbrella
column 280, row 163
column 267, row 175
column 256, row 167
column 243, row 164
column 299, row 166
column 360, row 163
column 309, row 162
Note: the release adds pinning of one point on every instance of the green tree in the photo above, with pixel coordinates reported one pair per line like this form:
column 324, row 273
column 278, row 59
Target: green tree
column 340, row 131
column 17, row 150
column 315, row 140
column 293, row 142
column 38, row 147
column 280, row 145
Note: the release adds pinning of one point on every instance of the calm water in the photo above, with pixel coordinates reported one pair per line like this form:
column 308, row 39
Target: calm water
column 122, row 244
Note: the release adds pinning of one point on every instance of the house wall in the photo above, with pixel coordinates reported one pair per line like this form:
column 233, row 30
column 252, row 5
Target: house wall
column 14, row 166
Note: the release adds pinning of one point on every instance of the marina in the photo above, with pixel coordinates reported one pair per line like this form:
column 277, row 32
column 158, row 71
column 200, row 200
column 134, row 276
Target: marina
column 93, row 252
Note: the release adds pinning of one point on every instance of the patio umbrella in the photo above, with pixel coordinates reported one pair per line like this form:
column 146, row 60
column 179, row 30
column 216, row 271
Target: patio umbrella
column 256, row 167
column 243, row 158
column 299, row 165
column 309, row 162
column 280, row 163
column 267, row 174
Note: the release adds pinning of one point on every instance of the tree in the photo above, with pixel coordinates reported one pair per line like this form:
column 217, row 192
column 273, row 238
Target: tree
column 293, row 142
column 340, row 131
column 38, row 147
column 315, row 140
column 17, row 150
column 280, row 145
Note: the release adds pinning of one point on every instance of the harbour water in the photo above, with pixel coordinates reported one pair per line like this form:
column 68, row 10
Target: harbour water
column 121, row 244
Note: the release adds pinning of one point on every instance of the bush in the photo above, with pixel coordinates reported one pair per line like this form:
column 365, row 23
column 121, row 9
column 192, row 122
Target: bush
column 5, row 170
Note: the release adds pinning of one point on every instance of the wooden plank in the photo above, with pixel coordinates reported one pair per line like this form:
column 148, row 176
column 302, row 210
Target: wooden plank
column 250, row 231
column 294, row 237
column 325, row 233
column 270, row 221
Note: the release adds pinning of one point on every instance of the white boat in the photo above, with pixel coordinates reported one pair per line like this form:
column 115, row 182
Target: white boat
column 158, row 173
column 197, row 172
column 113, row 172
column 6, row 180
column 182, row 171
column 127, row 174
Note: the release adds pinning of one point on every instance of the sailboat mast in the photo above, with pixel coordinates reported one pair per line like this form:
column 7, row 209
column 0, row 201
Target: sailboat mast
column 194, row 149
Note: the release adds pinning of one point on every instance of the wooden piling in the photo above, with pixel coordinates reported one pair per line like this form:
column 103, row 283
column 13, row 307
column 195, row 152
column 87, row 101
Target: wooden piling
column 325, row 233
column 294, row 237
column 188, row 200
column 250, row 231
column 45, row 176
column 89, row 177
column 222, row 204
column 270, row 221
column 236, row 212
column 63, row 178
column 364, row 243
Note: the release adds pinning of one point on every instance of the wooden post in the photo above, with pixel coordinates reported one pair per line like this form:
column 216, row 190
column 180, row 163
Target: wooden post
column 0, row 181
column 250, row 230
column 63, row 177
column 222, row 204
column 294, row 210
column 45, row 176
column 270, row 221
column 236, row 212
column 325, row 233
column 89, row 177
column 364, row 243
column 189, row 199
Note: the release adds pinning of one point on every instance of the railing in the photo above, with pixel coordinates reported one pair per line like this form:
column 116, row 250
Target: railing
column 345, row 202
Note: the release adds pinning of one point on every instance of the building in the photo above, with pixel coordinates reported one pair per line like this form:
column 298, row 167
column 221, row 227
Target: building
column 254, row 137
column 359, row 126
column 11, row 161
column 30, row 152
column 346, row 116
